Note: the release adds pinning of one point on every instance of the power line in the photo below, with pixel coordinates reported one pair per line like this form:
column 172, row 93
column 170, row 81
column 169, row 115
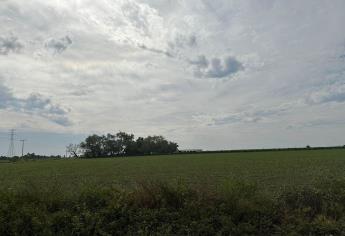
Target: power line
column 11, row 150
column 23, row 143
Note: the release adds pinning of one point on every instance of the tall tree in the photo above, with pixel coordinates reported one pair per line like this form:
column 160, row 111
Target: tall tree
column 112, row 145
column 93, row 146
column 126, row 142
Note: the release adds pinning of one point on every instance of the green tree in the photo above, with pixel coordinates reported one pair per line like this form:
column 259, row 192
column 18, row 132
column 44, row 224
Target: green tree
column 156, row 145
column 111, row 145
column 93, row 146
column 126, row 143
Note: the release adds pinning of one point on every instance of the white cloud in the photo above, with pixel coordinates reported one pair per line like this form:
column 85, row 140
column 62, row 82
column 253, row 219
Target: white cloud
column 134, row 65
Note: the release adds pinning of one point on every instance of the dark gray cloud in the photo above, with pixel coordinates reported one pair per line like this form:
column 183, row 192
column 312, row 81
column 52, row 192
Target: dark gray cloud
column 183, row 41
column 58, row 45
column 174, row 47
column 216, row 68
column 321, row 122
column 154, row 50
column 251, row 116
column 201, row 62
column 336, row 93
column 335, row 97
column 60, row 120
column 180, row 42
column 34, row 104
column 192, row 41
column 10, row 44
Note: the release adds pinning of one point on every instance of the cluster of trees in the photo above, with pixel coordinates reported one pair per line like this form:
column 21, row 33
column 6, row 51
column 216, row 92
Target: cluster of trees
column 33, row 156
column 30, row 156
column 121, row 144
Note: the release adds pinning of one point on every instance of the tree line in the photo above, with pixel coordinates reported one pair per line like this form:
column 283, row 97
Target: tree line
column 121, row 144
column 30, row 156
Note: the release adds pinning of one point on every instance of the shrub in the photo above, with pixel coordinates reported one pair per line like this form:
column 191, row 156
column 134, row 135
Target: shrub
column 174, row 209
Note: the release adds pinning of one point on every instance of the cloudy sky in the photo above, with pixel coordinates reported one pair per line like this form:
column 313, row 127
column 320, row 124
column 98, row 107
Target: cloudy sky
column 211, row 74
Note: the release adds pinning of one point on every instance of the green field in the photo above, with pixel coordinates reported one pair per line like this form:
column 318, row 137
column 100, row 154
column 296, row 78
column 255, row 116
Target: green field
column 272, row 170
column 296, row 193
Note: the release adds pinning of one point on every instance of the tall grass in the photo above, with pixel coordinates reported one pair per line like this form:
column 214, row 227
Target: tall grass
column 153, row 208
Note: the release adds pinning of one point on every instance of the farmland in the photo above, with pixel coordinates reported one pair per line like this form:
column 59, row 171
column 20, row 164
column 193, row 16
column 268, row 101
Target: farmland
column 249, row 193
column 271, row 171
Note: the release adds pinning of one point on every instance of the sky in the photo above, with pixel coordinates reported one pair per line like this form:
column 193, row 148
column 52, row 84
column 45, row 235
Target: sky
column 209, row 74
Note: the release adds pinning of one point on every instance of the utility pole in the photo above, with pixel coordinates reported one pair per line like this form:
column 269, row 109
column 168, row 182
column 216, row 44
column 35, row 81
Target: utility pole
column 23, row 143
column 11, row 151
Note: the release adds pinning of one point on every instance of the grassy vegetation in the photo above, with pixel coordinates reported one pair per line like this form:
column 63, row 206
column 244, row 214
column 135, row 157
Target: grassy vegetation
column 271, row 171
column 166, row 209
column 255, row 193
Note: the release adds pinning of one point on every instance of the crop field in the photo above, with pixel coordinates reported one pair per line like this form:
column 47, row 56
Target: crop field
column 248, row 193
column 272, row 171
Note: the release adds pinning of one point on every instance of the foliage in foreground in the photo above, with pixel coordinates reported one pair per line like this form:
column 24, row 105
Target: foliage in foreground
column 160, row 209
